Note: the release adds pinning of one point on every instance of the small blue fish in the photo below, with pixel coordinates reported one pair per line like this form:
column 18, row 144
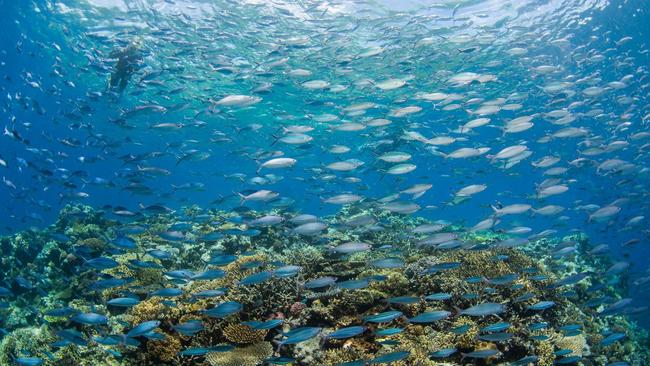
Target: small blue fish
column 537, row 326
column 462, row 329
column 388, row 332
column 167, row 292
column 496, row 327
column 72, row 336
column 286, row 271
column 224, row 309
column 143, row 328
column 384, row 317
column 430, row 316
column 90, row 319
column 269, row 324
column 61, row 312
column 391, row 262
column 404, row 300
column 496, row 337
column 348, row 332
column 125, row 302
column 320, row 282
column 568, row 360
column 390, row 357
column 445, row 266
column 525, row 361
column 135, row 263
column 109, row 340
column 200, row 351
column 440, row 296
column 300, row 335
column 484, row 353
column 160, row 254
column 209, row 293
column 29, row 361
column 280, row 360
column 256, row 278
column 443, row 353
column 101, row 263
column 222, row 260
column 540, row 306
column 612, row 338
column 210, row 274
column 354, row 284
column 124, row 242
column 189, row 328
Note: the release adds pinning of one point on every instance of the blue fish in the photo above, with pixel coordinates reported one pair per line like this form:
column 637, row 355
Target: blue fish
column 101, row 285
column 224, row 309
column 612, row 338
column 280, row 360
column 390, row 357
column 496, row 337
column 286, row 271
column 430, row 316
column 159, row 254
column 443, row 353
column 384, row 317
column 540, row 306
column 256, row 278
column 348, row 332
column 126, row 302
column 90, row 319
column 209, row 293
column 496, row 327
column 124, row 242
column 135, row 263
column 440, row 296
column 29, row 361
column 391, row 262
column 211, row 237
column 101, row 263
column 143, row 328
column 388, row 331
column 300, row 335
column 404, row 300
column 568, row 360
column 210, row 274
column 269, row 324
column 72, row 336
column 222, row 260
column 167, row 292
column 61, row 312
column 320, row 282
column 354, row 284
column 189, row 328
column 526, row 360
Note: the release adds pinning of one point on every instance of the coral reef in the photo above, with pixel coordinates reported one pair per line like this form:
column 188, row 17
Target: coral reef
column 509, row 276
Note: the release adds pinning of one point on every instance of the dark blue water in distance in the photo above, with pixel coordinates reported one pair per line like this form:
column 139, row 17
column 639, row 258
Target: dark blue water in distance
column 518, row 128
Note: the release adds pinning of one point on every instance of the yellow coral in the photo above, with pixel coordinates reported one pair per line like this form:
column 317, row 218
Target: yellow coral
column 164, row 350
column 243, row 334
column 252, row 355
column 544, row 350
column 577, row 344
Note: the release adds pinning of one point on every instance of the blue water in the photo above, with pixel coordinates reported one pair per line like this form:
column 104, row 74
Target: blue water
column 74, row 135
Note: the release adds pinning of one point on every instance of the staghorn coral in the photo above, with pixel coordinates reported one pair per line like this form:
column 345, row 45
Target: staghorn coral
column 251, row 355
